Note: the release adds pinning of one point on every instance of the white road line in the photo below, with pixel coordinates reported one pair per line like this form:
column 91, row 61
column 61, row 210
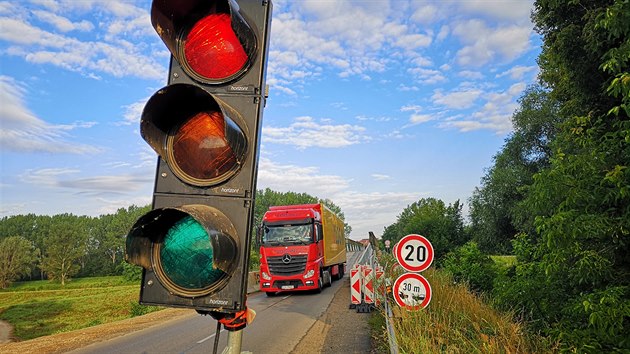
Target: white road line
column 209, row 337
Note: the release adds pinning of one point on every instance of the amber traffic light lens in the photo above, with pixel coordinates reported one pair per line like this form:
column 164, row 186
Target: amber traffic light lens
column 212, row 49
column 204, row 150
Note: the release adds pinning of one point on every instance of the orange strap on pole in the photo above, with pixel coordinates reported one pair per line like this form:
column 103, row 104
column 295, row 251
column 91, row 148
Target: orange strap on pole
column 237, row 321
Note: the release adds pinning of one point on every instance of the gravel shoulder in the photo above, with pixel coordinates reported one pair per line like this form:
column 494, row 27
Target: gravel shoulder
column 344, row 330
column 5, row 332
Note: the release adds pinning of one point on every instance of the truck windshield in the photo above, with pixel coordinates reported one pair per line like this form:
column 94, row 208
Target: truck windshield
column 292, row 234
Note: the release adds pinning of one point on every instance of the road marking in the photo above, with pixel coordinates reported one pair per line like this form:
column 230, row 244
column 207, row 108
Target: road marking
column 209, row 337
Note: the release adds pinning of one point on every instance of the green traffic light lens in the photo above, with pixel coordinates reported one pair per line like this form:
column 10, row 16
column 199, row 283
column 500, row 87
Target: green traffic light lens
column 187, row 256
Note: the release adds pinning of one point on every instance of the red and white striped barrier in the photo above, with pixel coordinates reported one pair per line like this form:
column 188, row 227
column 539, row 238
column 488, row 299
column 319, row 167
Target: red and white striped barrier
column 368, row 288
column 380, row 286
column 355, row 285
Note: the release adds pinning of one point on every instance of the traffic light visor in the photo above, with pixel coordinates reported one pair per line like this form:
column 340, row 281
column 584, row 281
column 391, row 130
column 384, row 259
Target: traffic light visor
column 192, row 249
column 211, row 40
column 195, row 133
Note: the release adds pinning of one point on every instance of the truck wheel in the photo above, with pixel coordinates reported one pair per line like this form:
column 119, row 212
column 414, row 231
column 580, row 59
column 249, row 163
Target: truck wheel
column 329, row 276
column 320, row 285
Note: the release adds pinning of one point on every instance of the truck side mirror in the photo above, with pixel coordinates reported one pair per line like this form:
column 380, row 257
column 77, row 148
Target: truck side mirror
column 320, row 232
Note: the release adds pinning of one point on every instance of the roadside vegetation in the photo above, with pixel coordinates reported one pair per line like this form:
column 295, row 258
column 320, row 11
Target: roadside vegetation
column 40, row 308
column 557, row 196
column 457, row 320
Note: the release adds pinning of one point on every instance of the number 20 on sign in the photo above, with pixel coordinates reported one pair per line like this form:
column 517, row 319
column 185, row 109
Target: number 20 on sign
column 414, row 253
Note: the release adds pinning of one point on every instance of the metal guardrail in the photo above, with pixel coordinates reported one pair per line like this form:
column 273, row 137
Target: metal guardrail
column 391, row 335
column 368, row 256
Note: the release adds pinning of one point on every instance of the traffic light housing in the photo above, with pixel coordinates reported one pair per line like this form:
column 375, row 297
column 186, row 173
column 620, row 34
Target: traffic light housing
column 205, row 126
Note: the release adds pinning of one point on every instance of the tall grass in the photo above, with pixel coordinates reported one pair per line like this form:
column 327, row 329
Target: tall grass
column 458, row 321
column 40, row 308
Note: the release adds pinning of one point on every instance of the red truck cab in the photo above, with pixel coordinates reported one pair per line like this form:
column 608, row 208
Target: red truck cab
column 302, row 247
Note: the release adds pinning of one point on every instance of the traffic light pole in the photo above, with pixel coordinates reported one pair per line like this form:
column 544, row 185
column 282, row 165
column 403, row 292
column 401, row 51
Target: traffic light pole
column 235, row 340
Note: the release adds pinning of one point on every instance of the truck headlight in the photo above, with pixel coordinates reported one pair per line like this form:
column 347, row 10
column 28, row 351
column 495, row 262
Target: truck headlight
column 266, row 276
column 309, row 274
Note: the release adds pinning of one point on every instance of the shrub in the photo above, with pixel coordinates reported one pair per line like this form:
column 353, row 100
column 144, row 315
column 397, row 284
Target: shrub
column 131, row 272
column 468, row 264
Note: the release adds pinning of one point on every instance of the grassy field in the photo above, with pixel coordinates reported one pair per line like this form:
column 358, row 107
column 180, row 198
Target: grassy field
column 40, row 308
column 504, row 261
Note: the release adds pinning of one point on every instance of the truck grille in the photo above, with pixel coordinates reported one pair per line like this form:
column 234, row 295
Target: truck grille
column 295, row 266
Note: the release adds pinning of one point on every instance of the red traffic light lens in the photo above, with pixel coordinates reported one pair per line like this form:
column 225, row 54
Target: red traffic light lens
column 201, row 149
column 212, row 49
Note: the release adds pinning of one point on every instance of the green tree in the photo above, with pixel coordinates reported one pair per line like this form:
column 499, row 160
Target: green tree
column 443, row 225
column 17, row 256
column 65, row 244
column 495, row 218
column 107, row 241
column 575, row 257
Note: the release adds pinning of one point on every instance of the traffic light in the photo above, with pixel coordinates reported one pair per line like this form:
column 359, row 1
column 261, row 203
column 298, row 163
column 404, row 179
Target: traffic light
column 205, row 126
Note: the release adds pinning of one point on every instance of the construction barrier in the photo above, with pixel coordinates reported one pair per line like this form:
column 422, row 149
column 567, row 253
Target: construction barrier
column 380, row 285
column 368, row 281
column 362, row 280
column 355, row 285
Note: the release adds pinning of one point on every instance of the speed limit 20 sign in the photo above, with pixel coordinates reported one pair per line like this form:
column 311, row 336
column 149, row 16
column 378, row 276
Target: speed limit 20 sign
column 414, row 253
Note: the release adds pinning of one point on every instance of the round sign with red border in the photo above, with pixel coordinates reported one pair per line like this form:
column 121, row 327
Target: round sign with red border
column 412, row 291
column 414, row 253
column 394, row 248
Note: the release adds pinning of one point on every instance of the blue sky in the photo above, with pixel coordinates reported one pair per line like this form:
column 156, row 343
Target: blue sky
column 372, row 104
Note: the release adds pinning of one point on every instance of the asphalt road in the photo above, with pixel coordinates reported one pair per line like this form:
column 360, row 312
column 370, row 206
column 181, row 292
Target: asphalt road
column 281, row 322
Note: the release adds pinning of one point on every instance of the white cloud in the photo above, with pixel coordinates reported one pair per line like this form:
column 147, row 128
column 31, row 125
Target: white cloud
column 517, row 72
column 472, row 75
column 285, row 178
column 444, row 31
column 483, row 44
column 117, row 58
column 380, row 177
column 507, row 10
column 456, row 99
column 306, row 132
column 22, row 131
column 62, row 23
column 425, row 14
column 420, row 118
column 495, row 114
column 427, row 76
column 133, row 112
column 416, row 117
column 66, row 178
column 372, row 211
